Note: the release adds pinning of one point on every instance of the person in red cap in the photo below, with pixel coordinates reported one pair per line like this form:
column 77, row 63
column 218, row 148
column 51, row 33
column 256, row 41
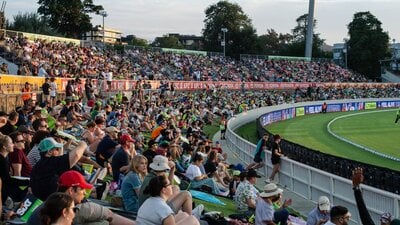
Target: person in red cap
column 74, row 184
column 122, row 157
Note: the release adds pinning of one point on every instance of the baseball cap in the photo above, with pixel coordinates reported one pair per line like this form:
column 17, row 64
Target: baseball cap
column 48, row 144
column 324, row 204
column 73, row 178
column 236, row 173
column 160, row 163
column 125, row 138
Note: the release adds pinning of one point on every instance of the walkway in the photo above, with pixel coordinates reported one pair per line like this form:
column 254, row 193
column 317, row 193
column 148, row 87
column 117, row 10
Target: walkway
column 300, row 204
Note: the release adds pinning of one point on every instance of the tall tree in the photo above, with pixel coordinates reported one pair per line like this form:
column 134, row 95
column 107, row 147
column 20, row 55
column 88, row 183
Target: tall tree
column 31, row 23
column 273, row 43
column 297, row 46
column 240, row 36
column 368, row 44
column 167, row 41
column 70, row 17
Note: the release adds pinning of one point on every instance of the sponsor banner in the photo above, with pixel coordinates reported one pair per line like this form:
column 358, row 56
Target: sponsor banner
column 387, row 104
column 11, row 84
column 288, row 113
column 352, row 106
column 300, row 111
column 334, row 108
column 370, row 105
column 313, row 109
column 14, row 84
column 271, row 117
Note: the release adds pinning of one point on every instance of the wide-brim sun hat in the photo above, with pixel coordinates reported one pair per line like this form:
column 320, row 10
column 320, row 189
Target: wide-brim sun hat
column 270, row 190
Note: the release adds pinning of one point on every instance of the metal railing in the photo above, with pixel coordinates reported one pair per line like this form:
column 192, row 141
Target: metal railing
column 308, row 181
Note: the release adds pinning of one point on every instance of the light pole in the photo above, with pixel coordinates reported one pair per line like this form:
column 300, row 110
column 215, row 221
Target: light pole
column 223, row 43
column 345, row 52
column 103, row 13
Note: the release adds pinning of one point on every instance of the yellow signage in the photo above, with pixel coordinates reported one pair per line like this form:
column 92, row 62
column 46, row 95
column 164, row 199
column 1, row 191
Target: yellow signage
column 300, row 111
column 370, row 105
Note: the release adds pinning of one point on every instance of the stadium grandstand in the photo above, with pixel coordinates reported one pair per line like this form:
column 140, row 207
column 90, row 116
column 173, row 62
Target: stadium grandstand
column 124, row 118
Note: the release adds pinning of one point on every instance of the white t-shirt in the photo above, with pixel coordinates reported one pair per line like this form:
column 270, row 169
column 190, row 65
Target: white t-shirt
column 148, row 216
column 193, row 171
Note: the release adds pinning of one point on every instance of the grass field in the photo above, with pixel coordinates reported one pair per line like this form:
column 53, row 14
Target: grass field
column 375, row 130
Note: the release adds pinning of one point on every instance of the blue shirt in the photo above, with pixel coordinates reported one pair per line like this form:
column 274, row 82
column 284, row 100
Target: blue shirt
column 129, row 184
column 315, row 215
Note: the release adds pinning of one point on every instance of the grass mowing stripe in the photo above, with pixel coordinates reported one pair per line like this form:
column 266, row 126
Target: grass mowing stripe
column 311, row 131
column 375, row 130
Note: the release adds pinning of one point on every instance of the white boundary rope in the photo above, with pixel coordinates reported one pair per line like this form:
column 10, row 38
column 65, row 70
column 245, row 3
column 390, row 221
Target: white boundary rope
column 373, row 151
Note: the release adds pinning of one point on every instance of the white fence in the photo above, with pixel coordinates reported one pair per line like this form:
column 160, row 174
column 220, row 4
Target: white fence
column 308, row 181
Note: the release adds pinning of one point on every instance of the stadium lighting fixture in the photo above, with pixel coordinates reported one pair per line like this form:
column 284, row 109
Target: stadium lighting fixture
column 345, row 52
column 104, row 14
column 223, row 43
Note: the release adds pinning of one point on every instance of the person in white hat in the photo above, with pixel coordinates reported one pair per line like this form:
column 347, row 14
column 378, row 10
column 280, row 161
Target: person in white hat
column 180, row 199
column 265, row 213
column 320, row 214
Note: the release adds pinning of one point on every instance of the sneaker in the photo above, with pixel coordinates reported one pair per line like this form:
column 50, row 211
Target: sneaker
column 197, row 212
column 267, row 181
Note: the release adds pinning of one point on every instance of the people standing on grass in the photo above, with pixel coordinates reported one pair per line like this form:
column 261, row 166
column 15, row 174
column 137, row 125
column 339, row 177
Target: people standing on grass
column 397, row 116
column 276, row 155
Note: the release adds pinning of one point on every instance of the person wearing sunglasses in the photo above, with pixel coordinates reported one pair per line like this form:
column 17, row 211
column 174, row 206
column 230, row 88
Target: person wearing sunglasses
column 74, row 184
column 53, row 162
column 20, row 165
column 59, row 209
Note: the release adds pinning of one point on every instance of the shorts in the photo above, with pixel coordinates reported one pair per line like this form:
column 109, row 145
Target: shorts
column 275, row 161
column 257, row 159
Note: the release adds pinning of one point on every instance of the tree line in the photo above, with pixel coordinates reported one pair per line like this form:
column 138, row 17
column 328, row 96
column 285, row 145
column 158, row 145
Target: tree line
column 366, row 45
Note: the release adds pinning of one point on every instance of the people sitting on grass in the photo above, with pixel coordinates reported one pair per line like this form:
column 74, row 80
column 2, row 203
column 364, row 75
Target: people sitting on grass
column 246, row 194
column 132, row 182
column 52, row 164
column 73, row 184
column 157, row 210
column 199, row 179
column 179, row 200
column 266, row 212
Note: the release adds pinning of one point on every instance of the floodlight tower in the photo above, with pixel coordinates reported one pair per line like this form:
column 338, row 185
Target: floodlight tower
column 103, row 13
column 310, row 29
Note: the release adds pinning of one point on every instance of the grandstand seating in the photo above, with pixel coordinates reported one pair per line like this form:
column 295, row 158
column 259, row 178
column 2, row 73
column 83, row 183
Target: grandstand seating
column 62, row 59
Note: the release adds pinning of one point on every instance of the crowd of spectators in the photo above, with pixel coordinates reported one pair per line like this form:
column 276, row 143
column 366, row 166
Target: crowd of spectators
column 59, row 59
column 164, row 127
column 148, row 138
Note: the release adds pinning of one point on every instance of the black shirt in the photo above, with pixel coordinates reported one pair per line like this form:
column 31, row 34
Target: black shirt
column 46, row 88
column 8, row 184
column 275, row 149
column 8, row 128
column 45, row 174
column 105, row 150
column 119, row 159
column 210, row 167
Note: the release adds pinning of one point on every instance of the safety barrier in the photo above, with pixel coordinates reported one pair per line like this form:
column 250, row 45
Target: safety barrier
column 308, row 181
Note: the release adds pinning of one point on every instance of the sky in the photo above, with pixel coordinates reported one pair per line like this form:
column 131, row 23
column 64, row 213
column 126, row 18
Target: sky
column 152, row 18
